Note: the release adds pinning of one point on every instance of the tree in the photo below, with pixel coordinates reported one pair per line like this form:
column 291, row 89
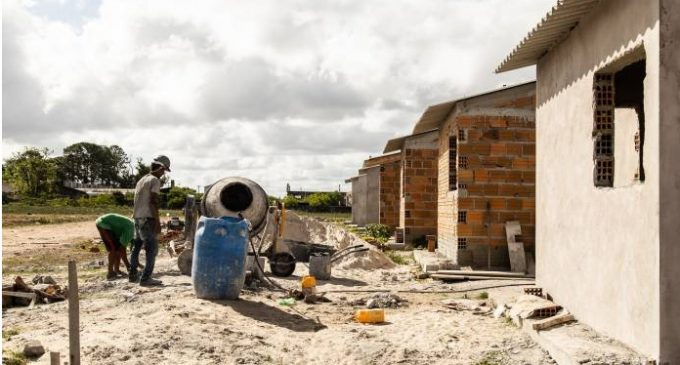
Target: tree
column 31, row 171
column 324, row 200
column 90, row 163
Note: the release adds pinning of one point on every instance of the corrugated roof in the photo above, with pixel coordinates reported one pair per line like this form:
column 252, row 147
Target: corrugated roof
column 553, row 29
column 435, row 115
column 396, row 144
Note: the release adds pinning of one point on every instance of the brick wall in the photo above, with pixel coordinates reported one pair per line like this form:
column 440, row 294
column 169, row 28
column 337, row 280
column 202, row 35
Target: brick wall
column 446, row 200
column 496, row 162
column 418, row 208
column 390, row 167
column 389, row 193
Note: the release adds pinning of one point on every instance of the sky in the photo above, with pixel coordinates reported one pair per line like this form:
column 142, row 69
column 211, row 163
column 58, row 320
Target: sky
column 297, row 92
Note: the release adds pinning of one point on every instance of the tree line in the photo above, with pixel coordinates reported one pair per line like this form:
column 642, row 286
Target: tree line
column 34, row 172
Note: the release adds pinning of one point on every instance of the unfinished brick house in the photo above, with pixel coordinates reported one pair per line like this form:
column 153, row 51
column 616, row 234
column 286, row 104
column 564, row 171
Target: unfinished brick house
column 418, row 185
column 608, row 176
column 485, row 166
column 375, row 191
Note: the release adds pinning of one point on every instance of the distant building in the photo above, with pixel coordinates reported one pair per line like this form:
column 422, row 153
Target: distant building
column 375, row 191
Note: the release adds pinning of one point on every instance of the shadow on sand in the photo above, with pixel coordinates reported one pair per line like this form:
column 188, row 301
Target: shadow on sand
column 295, row 280
column 272, row 315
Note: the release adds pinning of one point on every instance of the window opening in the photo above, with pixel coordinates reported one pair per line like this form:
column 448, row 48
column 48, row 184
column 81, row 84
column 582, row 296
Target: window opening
column 462, row 216
column 463, row 162
column 462, row 243
column 453, row 151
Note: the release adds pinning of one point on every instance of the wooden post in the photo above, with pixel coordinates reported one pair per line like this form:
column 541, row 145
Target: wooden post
column 73, row 315
column 54, row 358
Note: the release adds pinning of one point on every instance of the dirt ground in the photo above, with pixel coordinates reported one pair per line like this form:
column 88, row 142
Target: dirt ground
column 123, row 323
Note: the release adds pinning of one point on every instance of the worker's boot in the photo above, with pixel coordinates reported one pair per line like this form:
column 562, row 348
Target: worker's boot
column 150, row 282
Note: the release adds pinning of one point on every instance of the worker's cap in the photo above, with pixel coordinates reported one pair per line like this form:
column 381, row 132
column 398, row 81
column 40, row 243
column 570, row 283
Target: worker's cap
column 163, row 160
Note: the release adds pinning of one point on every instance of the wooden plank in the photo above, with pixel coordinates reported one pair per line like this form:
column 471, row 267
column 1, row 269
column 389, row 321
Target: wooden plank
column 73, row 315
column 553, row 321
column 464, row 277
column 20, row 294
column 482, row 273
column 54, row 358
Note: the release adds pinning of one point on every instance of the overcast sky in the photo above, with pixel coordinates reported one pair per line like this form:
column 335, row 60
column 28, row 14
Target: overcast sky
column 277, row 91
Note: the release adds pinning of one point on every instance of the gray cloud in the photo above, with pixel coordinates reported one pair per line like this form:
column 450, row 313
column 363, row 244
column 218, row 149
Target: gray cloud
column 251, row 89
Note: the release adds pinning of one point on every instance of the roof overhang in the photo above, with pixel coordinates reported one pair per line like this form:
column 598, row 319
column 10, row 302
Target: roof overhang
column 433, row 116
column 552, row 30
column 397, row 144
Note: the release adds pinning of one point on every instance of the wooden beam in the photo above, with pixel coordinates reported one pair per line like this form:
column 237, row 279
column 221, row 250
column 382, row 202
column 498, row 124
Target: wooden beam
column 553, row 321
column 73, row 315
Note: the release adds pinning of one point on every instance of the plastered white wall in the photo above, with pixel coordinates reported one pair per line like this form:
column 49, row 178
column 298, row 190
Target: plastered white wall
column 597, row 249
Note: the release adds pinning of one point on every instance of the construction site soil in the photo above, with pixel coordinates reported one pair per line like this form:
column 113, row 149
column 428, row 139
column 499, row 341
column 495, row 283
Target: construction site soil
column 123, row 323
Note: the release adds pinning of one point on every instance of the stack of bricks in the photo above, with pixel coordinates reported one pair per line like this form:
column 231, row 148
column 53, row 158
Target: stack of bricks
column 496, row 163
column 418, row 211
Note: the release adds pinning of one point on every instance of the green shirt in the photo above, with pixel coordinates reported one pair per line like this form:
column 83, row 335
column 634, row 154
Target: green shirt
column 121, row 226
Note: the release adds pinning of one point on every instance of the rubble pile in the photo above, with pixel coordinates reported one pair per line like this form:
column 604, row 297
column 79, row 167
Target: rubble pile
column 380, row 300
column 45, row 288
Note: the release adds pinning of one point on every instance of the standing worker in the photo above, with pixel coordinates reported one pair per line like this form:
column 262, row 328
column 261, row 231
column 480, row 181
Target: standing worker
column 147, row 221
column 117, row 232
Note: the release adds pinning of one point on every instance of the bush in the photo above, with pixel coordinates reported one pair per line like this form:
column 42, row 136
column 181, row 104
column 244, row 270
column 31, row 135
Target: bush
column 379, row 231
column 291, row 201
column 176, row 198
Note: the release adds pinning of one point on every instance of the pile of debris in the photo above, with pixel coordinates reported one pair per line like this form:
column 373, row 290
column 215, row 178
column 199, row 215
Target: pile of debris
column 380, row 300
column 44, row 290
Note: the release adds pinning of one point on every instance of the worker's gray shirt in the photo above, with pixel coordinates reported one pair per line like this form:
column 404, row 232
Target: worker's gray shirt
column 145, row 186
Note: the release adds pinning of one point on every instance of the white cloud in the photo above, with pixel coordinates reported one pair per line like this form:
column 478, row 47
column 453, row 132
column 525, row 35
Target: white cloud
column 286, row 91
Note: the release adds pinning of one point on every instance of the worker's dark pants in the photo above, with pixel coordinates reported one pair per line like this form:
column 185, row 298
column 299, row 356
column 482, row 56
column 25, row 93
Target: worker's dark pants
column 144, row 237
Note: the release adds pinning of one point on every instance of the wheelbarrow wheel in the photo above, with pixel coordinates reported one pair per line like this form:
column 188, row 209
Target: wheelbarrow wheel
column 282, row 264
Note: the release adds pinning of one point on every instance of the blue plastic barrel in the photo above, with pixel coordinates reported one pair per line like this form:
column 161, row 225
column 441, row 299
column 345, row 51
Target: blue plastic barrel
column 220, row 248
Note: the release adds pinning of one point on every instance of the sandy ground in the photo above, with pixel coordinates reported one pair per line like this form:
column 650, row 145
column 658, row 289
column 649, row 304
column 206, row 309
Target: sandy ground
column 125, row 323
column 26, row 238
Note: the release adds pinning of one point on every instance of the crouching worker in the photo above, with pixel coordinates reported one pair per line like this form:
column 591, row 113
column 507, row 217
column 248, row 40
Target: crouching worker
column 117, row 232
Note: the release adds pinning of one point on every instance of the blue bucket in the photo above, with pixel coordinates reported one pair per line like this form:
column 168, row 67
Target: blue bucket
column 219, row 264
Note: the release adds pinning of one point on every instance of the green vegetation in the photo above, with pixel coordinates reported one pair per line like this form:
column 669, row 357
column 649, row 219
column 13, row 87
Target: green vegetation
column 53, row 212
column 483, row 295
column 396, row 257
column 380, row 232
column 317, row 201
column 493, row 358
column 7, row 334
column 13, row 357
column 332, row 217
column 177, row 197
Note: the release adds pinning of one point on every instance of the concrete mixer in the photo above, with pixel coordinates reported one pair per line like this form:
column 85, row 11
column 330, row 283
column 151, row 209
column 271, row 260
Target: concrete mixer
column 242, row 197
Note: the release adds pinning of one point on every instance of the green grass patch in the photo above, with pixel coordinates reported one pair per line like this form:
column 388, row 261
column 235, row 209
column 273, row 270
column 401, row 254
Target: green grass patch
column 8, row 333
column 493, row 358
column 325, row 216
column 20, row 214
column 398, row 258
column 483, row 295
column 13, row 357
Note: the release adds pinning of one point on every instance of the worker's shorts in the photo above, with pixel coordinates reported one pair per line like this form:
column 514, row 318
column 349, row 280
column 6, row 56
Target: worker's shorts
column 111, row 241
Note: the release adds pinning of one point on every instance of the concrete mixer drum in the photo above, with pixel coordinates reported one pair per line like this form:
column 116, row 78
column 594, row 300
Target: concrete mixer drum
column 232, row 196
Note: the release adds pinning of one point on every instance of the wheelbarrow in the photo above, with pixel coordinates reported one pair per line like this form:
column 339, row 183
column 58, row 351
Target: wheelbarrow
column 320, row 263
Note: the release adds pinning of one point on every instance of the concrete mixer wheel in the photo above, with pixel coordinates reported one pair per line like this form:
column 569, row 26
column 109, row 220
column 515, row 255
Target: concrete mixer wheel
column 282, row 264
column 184, row 261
